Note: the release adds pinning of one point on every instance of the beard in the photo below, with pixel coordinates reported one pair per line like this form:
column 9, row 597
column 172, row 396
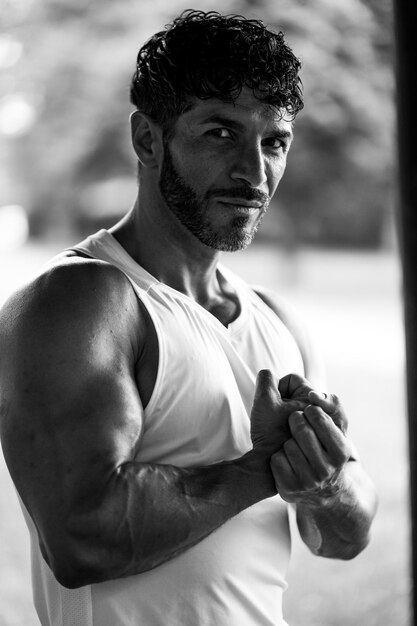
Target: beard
column 192, row 210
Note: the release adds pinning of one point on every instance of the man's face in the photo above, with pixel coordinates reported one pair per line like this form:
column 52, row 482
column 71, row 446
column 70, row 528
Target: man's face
column 221, row 168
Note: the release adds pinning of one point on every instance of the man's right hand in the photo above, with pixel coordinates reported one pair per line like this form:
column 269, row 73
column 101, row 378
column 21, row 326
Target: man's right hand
column 274, row 401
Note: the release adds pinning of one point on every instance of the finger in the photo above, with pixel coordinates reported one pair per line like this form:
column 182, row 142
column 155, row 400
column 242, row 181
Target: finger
column 330, row 436
column 327, row 401
column 282, row 471
column 331, row 405
column 294, row 385
column 308, row 442
column 299, row 463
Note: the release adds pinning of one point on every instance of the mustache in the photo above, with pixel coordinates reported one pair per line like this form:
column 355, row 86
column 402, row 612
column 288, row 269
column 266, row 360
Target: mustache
column 244, row 193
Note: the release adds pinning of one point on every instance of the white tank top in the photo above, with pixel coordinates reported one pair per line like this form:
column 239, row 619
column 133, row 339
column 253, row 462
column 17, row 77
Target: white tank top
column 198, row 414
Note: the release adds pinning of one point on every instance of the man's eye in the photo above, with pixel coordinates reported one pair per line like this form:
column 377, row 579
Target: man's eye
column 223, row 133
column 274, row 142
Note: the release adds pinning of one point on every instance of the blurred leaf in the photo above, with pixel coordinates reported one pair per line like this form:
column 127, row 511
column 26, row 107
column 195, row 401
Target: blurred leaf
column 75, row 69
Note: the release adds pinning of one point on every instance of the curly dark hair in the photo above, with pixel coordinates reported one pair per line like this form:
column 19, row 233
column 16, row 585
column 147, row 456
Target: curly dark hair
column 209, row 55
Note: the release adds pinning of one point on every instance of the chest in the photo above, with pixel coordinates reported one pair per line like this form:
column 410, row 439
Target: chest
column 200, row 380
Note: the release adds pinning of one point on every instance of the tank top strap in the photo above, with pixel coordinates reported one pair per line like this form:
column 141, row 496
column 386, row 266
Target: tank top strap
column 102, row 245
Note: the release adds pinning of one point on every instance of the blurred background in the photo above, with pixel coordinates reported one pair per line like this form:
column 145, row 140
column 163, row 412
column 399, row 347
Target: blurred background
column 328, row 243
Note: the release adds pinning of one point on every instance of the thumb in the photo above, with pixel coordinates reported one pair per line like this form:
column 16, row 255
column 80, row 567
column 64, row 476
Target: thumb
column 267, row 385
column 269, row 415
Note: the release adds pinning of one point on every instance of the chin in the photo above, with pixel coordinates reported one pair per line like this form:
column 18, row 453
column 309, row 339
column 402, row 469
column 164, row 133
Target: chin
column 232, row 243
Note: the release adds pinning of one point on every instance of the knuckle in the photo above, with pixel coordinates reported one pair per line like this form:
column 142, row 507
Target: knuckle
column 334, row 399
column 278, row 458
column 296, row 420
column 342, row 455
column 296, row 405
column 313, row 412
column 290, row 446
column 322, row 471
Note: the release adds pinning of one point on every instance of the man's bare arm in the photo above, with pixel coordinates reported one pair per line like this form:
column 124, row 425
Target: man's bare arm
column 71, row 425
column 317, row 470
column 338, row 525
column 335, row 500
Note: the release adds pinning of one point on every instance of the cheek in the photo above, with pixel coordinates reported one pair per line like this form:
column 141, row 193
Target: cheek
column 196, row 178
column 276, row 172
column 193, row 168
column 201, row 173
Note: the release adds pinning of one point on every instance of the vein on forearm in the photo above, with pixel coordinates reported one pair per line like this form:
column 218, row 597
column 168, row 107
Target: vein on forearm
column 148, row 514
column 338, row 526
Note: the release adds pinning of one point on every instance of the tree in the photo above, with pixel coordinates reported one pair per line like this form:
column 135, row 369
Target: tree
column 76, row 67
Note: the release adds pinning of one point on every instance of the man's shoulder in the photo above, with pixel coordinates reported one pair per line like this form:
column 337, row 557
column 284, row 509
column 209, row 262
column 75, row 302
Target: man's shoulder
column 71, row 293
column 71, row 274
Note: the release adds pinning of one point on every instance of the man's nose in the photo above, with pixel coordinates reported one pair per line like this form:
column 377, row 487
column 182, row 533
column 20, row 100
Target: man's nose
column 249, row 166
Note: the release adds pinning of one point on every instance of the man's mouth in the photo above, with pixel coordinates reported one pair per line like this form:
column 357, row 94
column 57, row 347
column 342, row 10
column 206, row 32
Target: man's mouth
column 241, row 203
column 240, row 198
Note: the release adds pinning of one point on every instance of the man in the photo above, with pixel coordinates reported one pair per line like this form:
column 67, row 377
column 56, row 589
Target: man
column 155, row 416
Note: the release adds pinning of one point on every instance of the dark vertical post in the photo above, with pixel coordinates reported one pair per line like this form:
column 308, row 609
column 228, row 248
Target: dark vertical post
column 406, row 69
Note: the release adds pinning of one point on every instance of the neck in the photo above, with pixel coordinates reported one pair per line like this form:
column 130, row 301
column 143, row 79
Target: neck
column 166, row 249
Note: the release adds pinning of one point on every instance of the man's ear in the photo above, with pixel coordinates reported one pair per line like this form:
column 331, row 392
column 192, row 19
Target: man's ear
column 146, row 139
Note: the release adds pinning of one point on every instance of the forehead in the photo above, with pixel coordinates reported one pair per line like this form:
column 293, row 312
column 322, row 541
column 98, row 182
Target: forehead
column 246, row 109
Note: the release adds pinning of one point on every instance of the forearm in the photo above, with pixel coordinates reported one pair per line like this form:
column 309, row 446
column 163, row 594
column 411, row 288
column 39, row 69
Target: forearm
column 148, row 514
column 337, row 524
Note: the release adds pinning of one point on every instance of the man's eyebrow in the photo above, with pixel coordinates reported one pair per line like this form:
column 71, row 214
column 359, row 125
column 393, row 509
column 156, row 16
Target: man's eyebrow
column 280, row 133
column 222, row 121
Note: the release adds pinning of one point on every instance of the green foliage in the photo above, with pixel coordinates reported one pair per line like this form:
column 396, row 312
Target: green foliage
column 76, row 67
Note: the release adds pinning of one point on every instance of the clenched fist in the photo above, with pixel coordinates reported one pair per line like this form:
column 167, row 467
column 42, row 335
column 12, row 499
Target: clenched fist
column 273, row 403
column 307, row 469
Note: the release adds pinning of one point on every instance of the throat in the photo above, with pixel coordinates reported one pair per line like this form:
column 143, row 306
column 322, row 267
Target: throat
column 226, row 309
column 216, row 295
column 225, row 312
column 223, row 302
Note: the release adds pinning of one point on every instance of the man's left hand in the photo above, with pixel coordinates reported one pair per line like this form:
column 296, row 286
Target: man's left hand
column 308, row 467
